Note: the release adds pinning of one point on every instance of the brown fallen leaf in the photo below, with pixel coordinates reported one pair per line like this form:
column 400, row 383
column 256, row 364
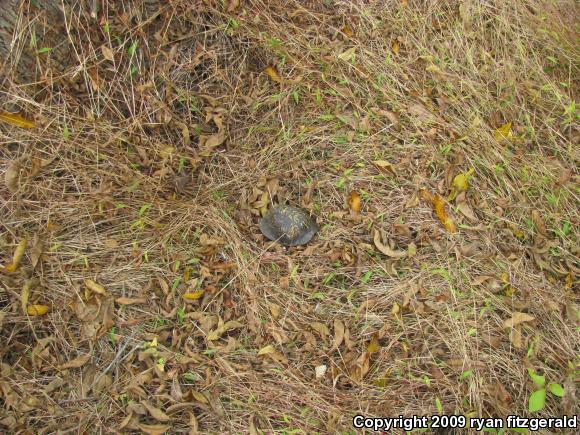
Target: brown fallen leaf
column 12, row 175
column 130, row 301
column 518, row 318
column 385, row 249
column 154, row 429
column 466, row 210
column 385, row 167
column 539, row 223
column 156, row 413
column 354, row 202
column 16, row 119
column 18, row 254
column 107, row 53
column 37, row 310
column 36, row 250
column 338, row 334
column 75, row 363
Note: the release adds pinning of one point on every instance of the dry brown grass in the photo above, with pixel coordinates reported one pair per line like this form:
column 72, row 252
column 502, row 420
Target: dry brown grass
column 113, row 186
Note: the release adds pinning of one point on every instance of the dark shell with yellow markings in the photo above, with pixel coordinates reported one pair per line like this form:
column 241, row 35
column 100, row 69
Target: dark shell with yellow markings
column 289, row 226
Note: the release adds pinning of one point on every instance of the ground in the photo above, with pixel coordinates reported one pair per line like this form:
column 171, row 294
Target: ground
column 434, row 142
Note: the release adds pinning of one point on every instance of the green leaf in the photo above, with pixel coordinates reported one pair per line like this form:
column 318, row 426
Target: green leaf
column 537, row 400
column 539, row 380
column 133, row 48
column 438, row 404
column 465, row 374
column 556, row 389
column 44, row 50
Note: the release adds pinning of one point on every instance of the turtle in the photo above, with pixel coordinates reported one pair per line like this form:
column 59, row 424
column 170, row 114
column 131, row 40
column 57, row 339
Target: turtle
column 290, row 226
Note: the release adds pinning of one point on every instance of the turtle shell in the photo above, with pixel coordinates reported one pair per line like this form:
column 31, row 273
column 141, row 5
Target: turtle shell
column 290, row 226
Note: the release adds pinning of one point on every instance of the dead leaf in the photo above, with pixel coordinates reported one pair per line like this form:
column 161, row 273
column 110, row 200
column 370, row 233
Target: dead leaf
column 273, row 73
column 438, row 204
column 385, row 167
column 208, row 143
column 233, row 5
column 107, row 53
column 37, row 310
column 154, row 429
column 466, row 210
column 517, row 318
column 75, row 363
column 395, row 47
column 321, row 328
column 374, row 345
column 225, row 327
column 347, row 31
column 25, row 293
column 16, row 119
column 338, row 334
column 385, row 249
column 354, row 202
column 36, row 250
column 156, row 413
column 95, row 287
column 539, row 223
column 12, row 175
column 18, row 253
column 131, row 301
column 266, row 350
column 420, row 112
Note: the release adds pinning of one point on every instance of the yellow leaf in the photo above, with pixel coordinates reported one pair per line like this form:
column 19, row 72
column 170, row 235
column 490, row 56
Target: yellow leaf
column 504, row 132
column 36, row 310
column 16, row 119
column 95, row 287
column 460, row 183
column 374, row 344
column 193, row 295
column 18, row 253
column 441, row 212
column 395, row 46
column 347, row 31
column 273, row 74
column 354, row 201
column 266, row 350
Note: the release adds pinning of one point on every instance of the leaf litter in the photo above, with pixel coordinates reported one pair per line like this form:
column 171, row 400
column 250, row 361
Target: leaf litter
column 147, row 289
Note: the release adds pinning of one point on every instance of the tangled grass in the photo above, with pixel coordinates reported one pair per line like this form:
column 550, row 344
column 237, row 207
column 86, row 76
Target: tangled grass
column 159, row 139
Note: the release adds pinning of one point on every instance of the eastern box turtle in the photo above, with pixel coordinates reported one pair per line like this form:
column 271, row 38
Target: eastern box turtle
column 289, row 226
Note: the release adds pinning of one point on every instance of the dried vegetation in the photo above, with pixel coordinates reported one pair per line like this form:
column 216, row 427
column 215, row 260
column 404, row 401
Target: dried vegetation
column 436, row 142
